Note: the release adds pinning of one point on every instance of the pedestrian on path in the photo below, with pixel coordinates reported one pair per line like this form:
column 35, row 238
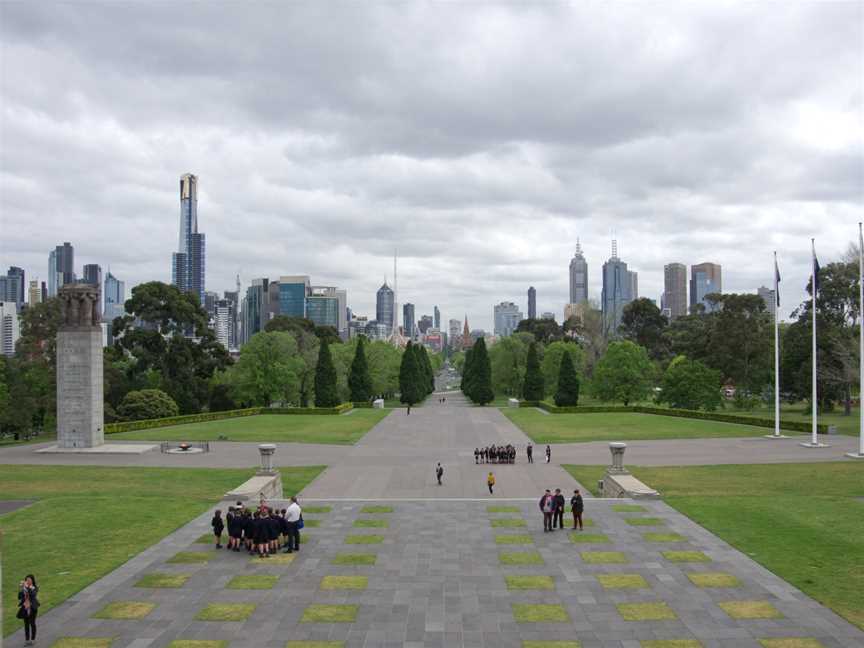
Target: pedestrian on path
column 558, row 510
column 578, row 506
column 476, row 455
column 293, row 517
column 530, row 452
column 548, row 454
column 439, row 472
column 218, row 526
column 546, row 506
column 28, row 607
column 490, row 482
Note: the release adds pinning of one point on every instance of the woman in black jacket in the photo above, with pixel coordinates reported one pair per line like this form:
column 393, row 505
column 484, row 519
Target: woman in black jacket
column 28, row 607
column 218, row 527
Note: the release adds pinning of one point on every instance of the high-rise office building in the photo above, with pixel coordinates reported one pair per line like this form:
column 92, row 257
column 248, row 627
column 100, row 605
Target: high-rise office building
column 188, row 263
column 52, row 273
column 9, row 327
column 618, row 286
column 705, row 279
column 454, row 326
column 409, row 321
column 769, row 297
column 115, row 297
column 255, row 308
column 65, row 264
column 578, row 276
column 209, row 303
column 426, row 322
column 34, row 295
column 93, row 276
column 437, row 315
column 674, row 290
column 223, row 316
column 532, row 303
column 12, row 286
column 322, row 307
column 293, row 291
column 507, row 317
column 384, row 307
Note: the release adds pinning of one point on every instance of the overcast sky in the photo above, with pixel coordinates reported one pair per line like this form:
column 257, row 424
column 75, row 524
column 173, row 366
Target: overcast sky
column 481, row 140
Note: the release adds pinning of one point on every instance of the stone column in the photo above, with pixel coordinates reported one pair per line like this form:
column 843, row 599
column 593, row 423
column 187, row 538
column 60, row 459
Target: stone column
column 267, row 451
column 617, row 449
column 80, row 418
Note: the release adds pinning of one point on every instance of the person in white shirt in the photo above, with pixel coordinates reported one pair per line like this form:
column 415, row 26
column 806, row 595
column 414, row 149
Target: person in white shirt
column 293, row 515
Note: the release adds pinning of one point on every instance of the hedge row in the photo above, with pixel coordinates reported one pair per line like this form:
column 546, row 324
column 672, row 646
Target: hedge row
column 146, row 424
column 795, row 426
column 362, row 405
column 323, row 411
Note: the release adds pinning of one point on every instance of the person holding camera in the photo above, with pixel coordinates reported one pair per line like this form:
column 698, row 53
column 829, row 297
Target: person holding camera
column 28, row 607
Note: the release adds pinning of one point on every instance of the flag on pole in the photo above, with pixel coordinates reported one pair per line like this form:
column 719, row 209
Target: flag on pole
column 776, row 281
column 815, row 273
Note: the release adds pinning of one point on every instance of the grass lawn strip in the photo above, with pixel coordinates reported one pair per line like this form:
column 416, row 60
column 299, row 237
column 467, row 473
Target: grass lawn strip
column 344, row 582
column 604, row 558
column 663, row 537
column 529, row 582
column 207, row 538
column 551, row 644
column 293, row 428
column 792, row 642
column 671, row 643
column 645, row 521
column 312, row 510
column 376, row 509
column 252, row 582
column 520, row 558
column 83, row 642
column 627, row 508
column 513, row 539
column 198, row 643
column 371, row 524
column 750, row 610
column 507, row 522
column 713, row 579
column 589, row 538
column 537, row 613
column 656, row 611
column 226, row 612
column 275, row 559
column 503, row 509
column 616, row 581
column 364, row 539
column 685, row 556
column 125, row 610
column 315, row 644
column 329, row 614
column 158, row 580
column 354, row 559
column 190, row 557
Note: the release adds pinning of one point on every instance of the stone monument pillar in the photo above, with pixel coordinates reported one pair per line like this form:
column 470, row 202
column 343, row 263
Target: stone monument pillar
column 80, row 419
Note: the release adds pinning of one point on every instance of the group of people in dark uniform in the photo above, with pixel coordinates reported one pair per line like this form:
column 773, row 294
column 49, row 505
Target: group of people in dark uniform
column 263, row 531
column 495, row 454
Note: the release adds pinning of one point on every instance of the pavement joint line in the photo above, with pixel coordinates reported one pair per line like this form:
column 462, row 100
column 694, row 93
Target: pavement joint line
column 620, row 500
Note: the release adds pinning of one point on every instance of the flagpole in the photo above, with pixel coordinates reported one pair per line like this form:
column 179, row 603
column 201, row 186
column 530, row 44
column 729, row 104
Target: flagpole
column 860, row 453
column 776, row 353
column 814, row 439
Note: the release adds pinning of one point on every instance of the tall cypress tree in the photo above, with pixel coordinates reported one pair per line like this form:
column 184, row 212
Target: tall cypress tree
column 359, row 379
column 534, row 387
column 467, row 371
column 428, row 374
column 482, row 381
column 568, row 383
column 326, row 394
column 410, row 377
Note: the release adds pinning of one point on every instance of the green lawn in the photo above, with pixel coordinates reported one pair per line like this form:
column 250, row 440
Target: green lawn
column 131, row 507
column 804, row 522
column 619, row 426
column 296, row 428
column 850, row 425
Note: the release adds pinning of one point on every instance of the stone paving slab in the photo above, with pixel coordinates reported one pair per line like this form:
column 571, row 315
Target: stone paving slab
column 438, row 581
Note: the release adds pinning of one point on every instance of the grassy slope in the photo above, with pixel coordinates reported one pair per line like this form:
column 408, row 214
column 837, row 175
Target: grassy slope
column 299, row 428
column 804, row 522
column 89, row 520
column 615, row 426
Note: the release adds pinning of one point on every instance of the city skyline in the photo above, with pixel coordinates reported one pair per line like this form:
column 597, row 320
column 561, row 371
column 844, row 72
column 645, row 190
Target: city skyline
column 484, row 194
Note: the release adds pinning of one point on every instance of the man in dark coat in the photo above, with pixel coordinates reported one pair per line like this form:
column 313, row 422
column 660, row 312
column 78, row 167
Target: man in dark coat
column 578, row 506
column 558, row 514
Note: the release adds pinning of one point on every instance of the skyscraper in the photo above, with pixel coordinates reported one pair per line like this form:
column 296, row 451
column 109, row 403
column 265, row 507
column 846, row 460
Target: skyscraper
column 507, row 318
column 409, row 321
column 578, row 276
column 384, row 307
column 705, row 279
column 9, row 327
column 255, row 306
column 115, row 297
column 426, row 323
column 322, row 307
column 454, row 327
column 65, row 263
column 437, row 314
column 224, row 322
column 293, row 291
column 35, row 294
column 188, row 263
column 675, row 289
column 12, row 286
column 769, row 297
column 532, row 303
column 618, row 286
column 52, row 273
column 93, row 276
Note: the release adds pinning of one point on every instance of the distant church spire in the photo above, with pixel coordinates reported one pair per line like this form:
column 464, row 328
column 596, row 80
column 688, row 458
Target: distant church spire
column 466, row 334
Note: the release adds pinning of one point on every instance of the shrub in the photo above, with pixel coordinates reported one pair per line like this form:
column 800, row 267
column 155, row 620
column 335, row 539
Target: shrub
column 147, row 404
column 131, row 426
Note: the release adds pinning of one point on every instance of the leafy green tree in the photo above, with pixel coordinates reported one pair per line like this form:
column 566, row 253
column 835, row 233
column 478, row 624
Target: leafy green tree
column 147, row 404
column 508, row 358
column 643, row 323
column 359, row 380
column 384, row 361
column 411, row 379
column 689, row 384
column 326, row 394
column 543, row 330
column 567, row 394
column 551, row 363
column 297, row 325
column 268, row 370
column 481, row 382
column 624, row 373
column 221, row 398
column 533, row 387
column 741, row 344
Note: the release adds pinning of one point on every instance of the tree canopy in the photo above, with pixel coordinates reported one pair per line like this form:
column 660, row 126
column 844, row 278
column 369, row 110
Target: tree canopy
column 359, row 379
column 689, row 384
column 623, row 374
column 567, row 392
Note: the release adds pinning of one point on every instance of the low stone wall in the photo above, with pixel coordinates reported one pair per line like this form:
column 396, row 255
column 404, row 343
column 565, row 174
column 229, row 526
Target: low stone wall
column 267, row 485
column 626, row 485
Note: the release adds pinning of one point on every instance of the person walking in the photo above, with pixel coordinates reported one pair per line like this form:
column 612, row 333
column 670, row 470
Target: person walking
column 439, row 472
column 28, row 607
column 218, row 526
column 548, row 454
column 490, row 482
column 558, row 510
column 476, row 455
column 294, row 518
column 546, row 506
column 530, row 452
column 577, row 505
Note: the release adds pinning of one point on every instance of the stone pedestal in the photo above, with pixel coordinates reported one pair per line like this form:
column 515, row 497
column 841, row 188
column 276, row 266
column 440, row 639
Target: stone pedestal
column 267, row 450
column 617, row 449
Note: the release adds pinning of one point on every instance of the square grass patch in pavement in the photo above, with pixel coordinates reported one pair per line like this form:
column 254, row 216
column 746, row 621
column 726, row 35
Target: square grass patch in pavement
column 513, row 539
column 551, row 644
column 315, row 644
column 125, row 610
column 539, row 613
column 520, row 558
column 190, row 557
column 655, row 611
column 83, row 642
column 629, row 508
column 252, row 582
column 310, row 510
column 503, row 509
column 377, row 509
column 671, row 643
column 685, row 556
column 344, row 583
column 616, row 581
column 644, row 521
column 791, row 642
column 329, row 614
column 354, row 559
column 589, row 538
column 275, row 559
column 529, row 582
column 713, row 579
column 604, row 558
column 163, row 580
column 311, row 524
column 371, row 524
column 364, row 539
column 507, row 522
column 663, row 537
column 226, row 612
column 207, row 538
column 198, row 643
column 750, row 610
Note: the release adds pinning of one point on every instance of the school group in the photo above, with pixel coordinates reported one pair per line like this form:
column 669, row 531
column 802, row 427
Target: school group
column 262, row 532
